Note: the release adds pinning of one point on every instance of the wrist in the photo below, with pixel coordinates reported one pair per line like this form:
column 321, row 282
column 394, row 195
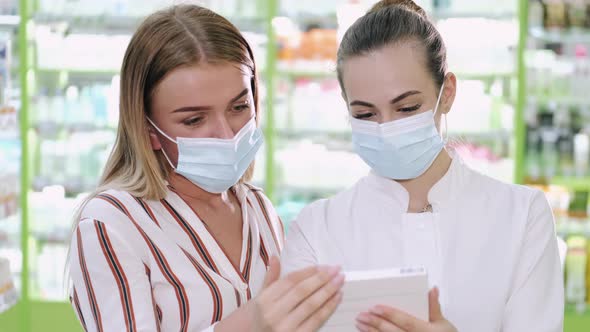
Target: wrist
column 239, row 320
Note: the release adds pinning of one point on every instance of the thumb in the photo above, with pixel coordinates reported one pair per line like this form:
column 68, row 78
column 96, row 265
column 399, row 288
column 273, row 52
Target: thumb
column 435, row 312
column 273, row 273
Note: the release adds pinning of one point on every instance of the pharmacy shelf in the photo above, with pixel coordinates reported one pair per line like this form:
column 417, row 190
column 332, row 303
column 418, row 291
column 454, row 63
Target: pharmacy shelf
column 99, row 23
column 561, row 101
column 80, row 75
column 9, row 21
column 569, row 228
column 485, row 76
column 9, row 135
column 52, row 129
column 118, row 24
column 287, row 190
column 561, row 36
column 572, row 183
column 441, row 14
column 60, row 237
column 298, row 134
column 323, row 74
column 306, row 73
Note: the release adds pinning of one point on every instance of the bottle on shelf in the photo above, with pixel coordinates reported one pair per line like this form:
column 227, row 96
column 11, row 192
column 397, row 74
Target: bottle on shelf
column 536, row 14
column 555, row 14
column 575, row 271
column 581, row 77
column 576, row 13
column 581, row 153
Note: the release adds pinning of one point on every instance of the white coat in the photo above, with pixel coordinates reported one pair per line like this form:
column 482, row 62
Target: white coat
column 490, row 247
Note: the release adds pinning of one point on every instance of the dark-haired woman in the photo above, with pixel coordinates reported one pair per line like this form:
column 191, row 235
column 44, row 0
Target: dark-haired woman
column 489, row 248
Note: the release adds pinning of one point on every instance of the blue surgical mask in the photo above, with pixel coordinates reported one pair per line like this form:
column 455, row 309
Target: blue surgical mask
column 215, row 164
column 401, row 149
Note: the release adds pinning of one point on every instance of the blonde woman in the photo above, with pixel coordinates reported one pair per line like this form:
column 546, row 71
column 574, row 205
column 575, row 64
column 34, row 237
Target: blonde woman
column 174, row 239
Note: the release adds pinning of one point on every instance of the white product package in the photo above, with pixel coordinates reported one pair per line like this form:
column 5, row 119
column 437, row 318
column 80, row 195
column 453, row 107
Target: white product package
column 405, row 289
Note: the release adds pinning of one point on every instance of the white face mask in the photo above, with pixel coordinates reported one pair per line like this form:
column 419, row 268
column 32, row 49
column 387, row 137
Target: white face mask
column 402, row 149
column 216, row 164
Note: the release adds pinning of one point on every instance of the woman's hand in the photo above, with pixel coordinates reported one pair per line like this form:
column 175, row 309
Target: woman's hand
column 387, row 319
column 301, row 301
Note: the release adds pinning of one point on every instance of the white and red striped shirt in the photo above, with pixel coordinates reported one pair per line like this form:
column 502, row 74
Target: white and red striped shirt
column 139, row 265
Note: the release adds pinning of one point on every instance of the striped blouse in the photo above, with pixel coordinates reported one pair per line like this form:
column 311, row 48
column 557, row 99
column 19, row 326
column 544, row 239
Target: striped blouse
column 140, row 265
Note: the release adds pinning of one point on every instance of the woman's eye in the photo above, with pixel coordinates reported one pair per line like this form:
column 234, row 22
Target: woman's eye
column 242, row 107
column 192, row 121
column 410, row 109
column 363, row 116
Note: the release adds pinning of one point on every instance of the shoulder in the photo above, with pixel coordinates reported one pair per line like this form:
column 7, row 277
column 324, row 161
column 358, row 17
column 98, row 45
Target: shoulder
column 109, row 206
column 497, row 190
column 321, row 213
column 523, row 206
column 256, row 197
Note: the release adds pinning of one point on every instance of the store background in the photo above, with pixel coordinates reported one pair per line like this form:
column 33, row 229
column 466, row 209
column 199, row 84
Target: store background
column 522, row 114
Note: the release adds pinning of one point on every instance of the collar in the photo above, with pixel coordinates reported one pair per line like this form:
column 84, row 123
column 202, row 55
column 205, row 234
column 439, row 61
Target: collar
column 445, row 190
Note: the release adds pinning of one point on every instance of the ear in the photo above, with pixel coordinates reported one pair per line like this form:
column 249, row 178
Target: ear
column 449, row 93
column 154, row 139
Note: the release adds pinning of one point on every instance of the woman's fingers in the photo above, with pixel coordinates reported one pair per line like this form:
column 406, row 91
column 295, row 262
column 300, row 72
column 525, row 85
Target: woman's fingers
column 374, row 323
column 362, row 327
column 319, row 317
column 282, row 286
column 314, row 300
column 399, row 319
column 435, row 312
column 298, row 293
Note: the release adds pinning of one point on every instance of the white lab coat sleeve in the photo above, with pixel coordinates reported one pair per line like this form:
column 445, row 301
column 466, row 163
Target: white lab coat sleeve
column 299, row 252
column 536, row 300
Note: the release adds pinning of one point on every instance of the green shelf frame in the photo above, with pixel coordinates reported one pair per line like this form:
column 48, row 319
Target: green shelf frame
column 572, row 183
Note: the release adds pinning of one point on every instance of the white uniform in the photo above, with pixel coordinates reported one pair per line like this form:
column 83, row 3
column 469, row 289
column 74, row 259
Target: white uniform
column 140, row 265
column 489, row 246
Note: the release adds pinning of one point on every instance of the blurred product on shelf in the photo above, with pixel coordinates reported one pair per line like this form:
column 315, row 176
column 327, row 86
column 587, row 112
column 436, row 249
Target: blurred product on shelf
column 575, row 271
column 557, row 114
column 8, row 195
column 83, row 52
column 316, row 171
column 311, row 106
column 561, row 77
column 51, row 225
column 8, row 294
column 75, row 129
column 8, row 7
column 560, row 14
column 8, row 122
column 140, row 8
column 571, row 209
column 10, row 152
column 558, row 141
column 470, row 54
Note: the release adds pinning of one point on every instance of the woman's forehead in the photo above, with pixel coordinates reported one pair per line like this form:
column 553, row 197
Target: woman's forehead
column 395, row 67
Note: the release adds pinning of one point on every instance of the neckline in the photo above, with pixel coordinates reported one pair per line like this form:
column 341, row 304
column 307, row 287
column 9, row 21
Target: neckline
column 440, row 193
column 221, row 259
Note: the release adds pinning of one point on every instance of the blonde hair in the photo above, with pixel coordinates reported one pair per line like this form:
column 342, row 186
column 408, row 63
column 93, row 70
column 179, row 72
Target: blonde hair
column 179, row 36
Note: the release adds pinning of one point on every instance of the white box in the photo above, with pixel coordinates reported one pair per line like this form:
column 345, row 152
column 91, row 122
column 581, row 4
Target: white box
column 405, row 289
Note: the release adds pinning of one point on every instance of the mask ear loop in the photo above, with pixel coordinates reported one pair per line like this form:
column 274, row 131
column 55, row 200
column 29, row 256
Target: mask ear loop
column 445, row 137
column 168, row 137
